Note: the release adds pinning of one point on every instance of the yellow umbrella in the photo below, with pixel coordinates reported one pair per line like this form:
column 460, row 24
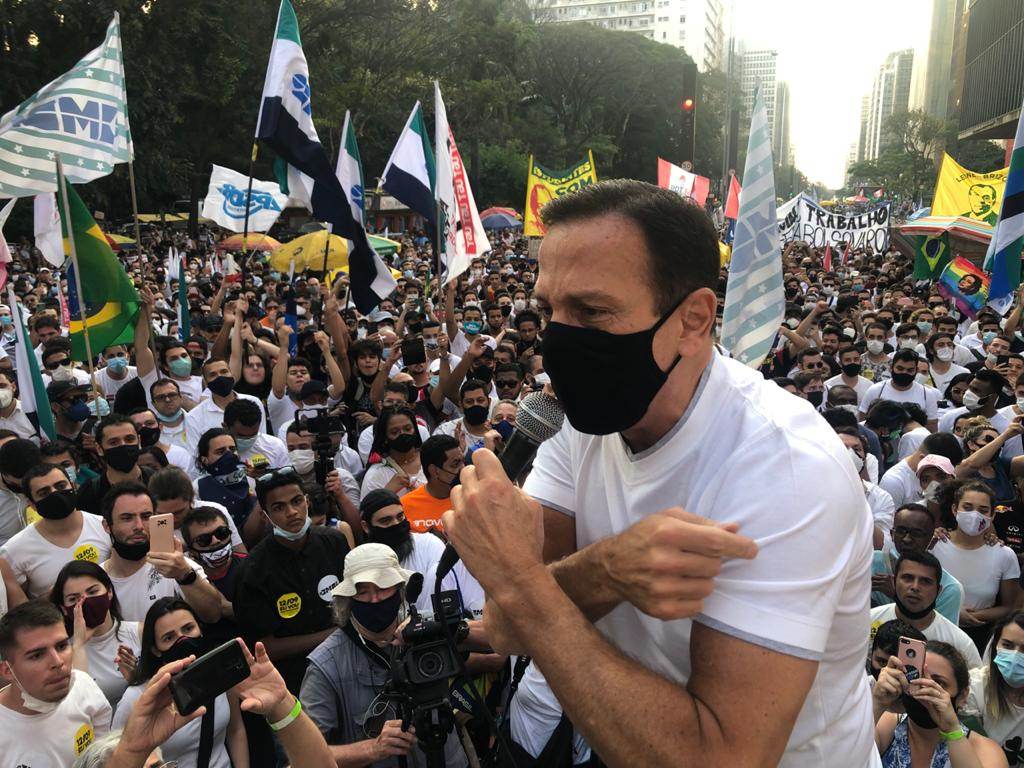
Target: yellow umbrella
column 308, row 253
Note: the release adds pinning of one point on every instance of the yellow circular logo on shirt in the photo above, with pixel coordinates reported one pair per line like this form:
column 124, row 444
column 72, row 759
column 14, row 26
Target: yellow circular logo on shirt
column 289, row 605
column 31, row 515
column 87, row 552
column 83, row 738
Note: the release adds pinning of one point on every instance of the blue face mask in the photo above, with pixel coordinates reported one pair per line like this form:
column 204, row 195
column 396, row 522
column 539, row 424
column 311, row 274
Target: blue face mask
column 228, row 469
column 78, row 412
column 435, row 381
column 6, row 321
column 99, row 408
column 181, row 367
column 169, row 419
column 244, row 444
column 288, row 535
column 472, row 327
column 117, row 365
column 989, row 335
column 1011, row 667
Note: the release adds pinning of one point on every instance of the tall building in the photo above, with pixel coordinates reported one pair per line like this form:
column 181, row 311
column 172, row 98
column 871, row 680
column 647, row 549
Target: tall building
column 890, row 93
column 929, row 83
column 862, row 142
column 991, row 80
column 782, row 148
column 696, row 26
column 757, row 67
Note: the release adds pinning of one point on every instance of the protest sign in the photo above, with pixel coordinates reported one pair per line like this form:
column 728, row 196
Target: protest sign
column 543, row 185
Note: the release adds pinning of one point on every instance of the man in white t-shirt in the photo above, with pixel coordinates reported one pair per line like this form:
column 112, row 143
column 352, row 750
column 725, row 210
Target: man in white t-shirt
column 243, row 419
column 902, row 388
column 148, row 429
column 980, row 399
column 116, row 372
column 916, row 580
column 175, row 362
column 141, row 577
column 901, row 480
column 61, row 534
column 49, row 712
column 849, row 363
column 655, row 659
column 209, row 414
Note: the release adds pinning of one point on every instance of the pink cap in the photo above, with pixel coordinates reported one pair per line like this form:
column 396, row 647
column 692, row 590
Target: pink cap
column 934, row 460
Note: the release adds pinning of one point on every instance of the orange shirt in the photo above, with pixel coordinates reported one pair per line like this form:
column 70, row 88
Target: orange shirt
column 423, row 511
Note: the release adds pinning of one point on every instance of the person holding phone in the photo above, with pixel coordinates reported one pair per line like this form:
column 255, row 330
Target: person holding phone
column 172, row 632
column 916, row 721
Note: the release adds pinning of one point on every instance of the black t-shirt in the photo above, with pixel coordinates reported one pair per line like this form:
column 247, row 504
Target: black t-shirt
column 227, row 628
column 90, row 495
column 1009, row 525
column 284, row 592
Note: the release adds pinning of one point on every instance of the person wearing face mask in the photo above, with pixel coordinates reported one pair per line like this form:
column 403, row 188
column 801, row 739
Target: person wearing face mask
column 118, row 444
column 49, row 711
column 396, row 393
column 116, row 372
column 885, row 643
column 471, row 327
column 880, row 502
column 284, row 597
column 902, row 388
column 875, row 360
column 340, row 688
column 983, row 445
column 210, row 412
column 105, row 645
column 208, row 539
column 995, row 703
column 17, row 457
column 57, row 364
column 69, row 404
column 442, row 459
column 810, row 386
column 12, row 416
column 989, row 574
column 902, row 480
column 166, row 403
column 850, row 366
column 243, row 419
column 916, row 580
column 988, row 329
column 173, row 494
column 396, row 441
column 148, row 428
column 172, row 632
column 225, row 481
column 916, row 720
column 140, row 576
column 62, row 532
column 940, row 350
column 340, row 482
column 474, row 423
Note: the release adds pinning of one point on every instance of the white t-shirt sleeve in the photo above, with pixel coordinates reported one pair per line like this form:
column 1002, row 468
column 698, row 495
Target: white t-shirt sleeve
column 1010, row 564
column 552, row 481
column 869, row 397
column 931, row 398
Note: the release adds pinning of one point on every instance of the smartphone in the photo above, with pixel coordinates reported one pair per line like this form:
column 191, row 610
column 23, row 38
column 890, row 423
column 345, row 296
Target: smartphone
column 911, row 652
column 413, row 352
column 208, row 677
column 371, row 327
column 88, row 425
column 259, row 463
column 1002, row 359
column 161, row 533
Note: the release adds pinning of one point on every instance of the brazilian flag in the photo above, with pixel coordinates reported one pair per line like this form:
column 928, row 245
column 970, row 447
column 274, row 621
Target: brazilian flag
column 111, row 302
column 931, row 255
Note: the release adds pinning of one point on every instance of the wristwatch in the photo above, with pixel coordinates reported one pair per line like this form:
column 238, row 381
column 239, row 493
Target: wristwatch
column 190, row 579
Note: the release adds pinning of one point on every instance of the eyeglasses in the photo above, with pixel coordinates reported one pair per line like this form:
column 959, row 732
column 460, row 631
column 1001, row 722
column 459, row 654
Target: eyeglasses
column 913, row 533
column 166, row 398
column 272, row 474
column 505, row 383
column 53, row 364
column 223, row 533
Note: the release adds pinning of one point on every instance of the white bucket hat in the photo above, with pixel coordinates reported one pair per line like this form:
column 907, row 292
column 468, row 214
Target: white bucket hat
column 374, row 563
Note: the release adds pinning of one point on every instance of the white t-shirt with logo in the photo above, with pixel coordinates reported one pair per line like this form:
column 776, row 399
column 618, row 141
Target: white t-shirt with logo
column 941, row 628
column 981, row 571
column 54, row 739
column 36, row 562
column 806, row 592
column 137, row 592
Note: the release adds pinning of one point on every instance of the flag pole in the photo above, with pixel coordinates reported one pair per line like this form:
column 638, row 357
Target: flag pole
column 437, row 249
column 248, row 207
column 144, row 263
column 82, row 309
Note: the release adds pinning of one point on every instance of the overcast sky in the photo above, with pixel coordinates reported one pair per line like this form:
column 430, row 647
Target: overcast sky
column 829, row 52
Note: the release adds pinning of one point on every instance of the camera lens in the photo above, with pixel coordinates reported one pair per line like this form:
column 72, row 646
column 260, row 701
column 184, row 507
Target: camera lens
column 430, row 664
column 911, row 653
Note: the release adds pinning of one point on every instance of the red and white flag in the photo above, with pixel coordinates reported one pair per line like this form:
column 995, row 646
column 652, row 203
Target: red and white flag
column 846, row 254
column 826, row 263
column 682, row 182
column 732, row 202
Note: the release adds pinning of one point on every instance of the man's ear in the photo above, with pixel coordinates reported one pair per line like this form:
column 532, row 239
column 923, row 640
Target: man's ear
column 366, row 526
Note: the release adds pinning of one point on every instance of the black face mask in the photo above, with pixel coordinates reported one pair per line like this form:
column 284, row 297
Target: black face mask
column 221, row 386
column 122, row 458
column 148, row 436
column 398, row 537
column 133, row 552
column 815, row 398
column 912, row 615
column 404, row 443
column 183, row 648
column 902, row 379
column 58, row 505
column 475, row 415
column 917, row 712
column 852, row 369
column 627, row 375
column 377, row 617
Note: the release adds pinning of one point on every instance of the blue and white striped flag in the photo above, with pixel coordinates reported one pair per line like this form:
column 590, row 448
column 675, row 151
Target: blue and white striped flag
column 755, row 302
column 1004, row 250
column 83, row 115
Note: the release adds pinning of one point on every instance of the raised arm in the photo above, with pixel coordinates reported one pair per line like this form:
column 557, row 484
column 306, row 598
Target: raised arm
column 145, row 363
column 279, row 380
column 987, row 453
column 237, row 360
column 454, row 381
column 338, row 331
column 337, row 388
column 449, row 311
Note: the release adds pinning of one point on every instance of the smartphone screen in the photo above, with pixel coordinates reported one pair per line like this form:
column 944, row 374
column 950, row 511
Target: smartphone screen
column 413, row 352
column 161, row 533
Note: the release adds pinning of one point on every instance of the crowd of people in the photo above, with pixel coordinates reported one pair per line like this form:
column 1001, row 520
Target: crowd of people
column 307, row 453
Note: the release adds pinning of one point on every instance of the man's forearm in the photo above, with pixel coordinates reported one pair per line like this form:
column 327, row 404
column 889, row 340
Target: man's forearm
column 584, row 581
column 205, row 598
column 296, row 645
column 354, row 755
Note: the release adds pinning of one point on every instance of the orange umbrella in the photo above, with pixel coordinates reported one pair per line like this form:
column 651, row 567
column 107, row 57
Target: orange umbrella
column 257, row 241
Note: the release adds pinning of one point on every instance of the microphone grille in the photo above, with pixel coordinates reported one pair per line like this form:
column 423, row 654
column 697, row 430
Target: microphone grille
column 540, row 416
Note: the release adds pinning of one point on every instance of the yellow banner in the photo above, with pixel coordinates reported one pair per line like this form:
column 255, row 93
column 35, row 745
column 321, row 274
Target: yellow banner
column 960, row 192
column 543, row 186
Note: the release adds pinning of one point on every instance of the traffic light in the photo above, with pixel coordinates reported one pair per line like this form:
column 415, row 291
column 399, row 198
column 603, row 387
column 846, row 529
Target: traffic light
column 688, row 114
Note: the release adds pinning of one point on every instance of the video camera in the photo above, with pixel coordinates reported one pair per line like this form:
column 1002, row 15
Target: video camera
column 323, row 426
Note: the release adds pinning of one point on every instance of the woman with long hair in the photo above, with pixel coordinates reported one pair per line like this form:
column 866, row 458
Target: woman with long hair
column 396, row 441
column 171, row 632
column 916, row 722
column 104, row 644
column 996, row 699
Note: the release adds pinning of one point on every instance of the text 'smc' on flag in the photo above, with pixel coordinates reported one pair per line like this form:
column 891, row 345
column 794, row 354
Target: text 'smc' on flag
column 82, row 115
column 111, row 303
column 754, row 299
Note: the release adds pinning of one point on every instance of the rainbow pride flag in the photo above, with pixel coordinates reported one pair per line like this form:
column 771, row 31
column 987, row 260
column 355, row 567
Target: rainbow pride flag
column 966, row 284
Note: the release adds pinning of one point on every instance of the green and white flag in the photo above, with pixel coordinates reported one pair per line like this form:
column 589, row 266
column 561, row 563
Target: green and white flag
column 83, row 115
column 31, row 392
column 350, row 170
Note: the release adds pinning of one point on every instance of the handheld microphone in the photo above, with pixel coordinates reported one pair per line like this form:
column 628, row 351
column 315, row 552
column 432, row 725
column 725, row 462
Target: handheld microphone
column 539, row 417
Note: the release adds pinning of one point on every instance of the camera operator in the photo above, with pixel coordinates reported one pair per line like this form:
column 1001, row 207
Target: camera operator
column 313, row 399
column 653, row 658
column 348, row 670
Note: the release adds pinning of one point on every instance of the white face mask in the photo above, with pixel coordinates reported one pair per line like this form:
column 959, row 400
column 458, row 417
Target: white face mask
column 924, row 378
column 302, row 459
column 971, row 522
column 931, row 491
column 858, row 462
column 1020, row 400
column 64, row 373
column 38, row 705
column 875, row 346
column 519, row 305
column 908, row 343
column 971, row 401
column 945, row 354
column 6, row 397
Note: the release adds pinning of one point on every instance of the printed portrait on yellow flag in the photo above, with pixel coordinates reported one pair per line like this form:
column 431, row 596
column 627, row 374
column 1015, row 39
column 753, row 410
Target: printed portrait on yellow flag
column 543, row 185
column 960, row 192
